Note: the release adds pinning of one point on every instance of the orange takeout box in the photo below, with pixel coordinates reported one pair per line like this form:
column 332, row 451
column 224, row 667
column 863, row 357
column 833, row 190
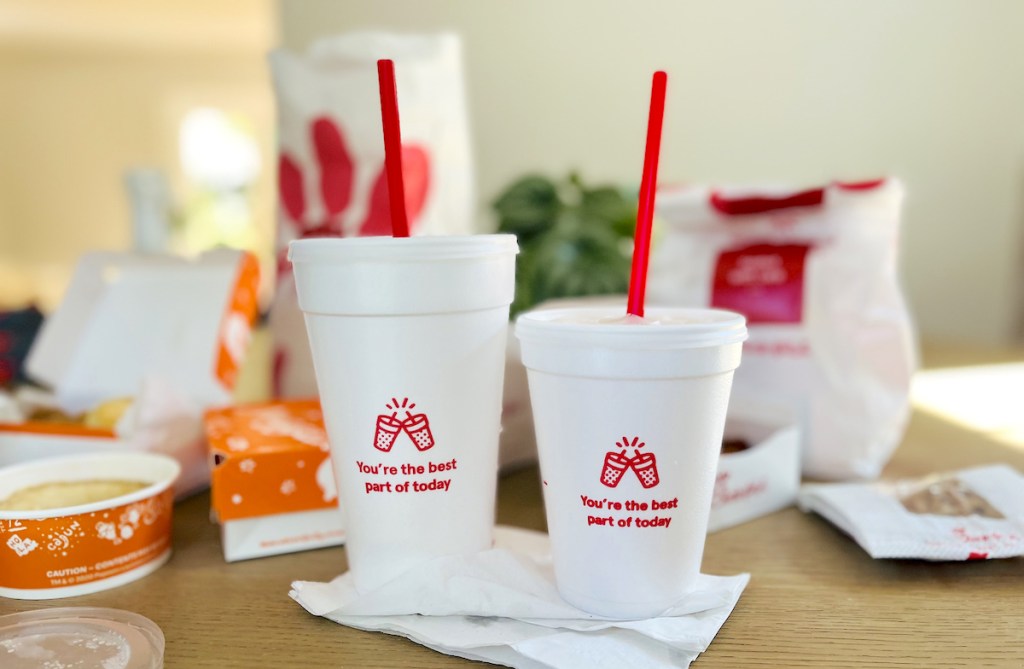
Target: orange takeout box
column 272, row 487
column 127, row 318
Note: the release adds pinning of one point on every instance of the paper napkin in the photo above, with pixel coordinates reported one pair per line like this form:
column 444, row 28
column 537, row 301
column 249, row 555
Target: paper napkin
column 501, row 606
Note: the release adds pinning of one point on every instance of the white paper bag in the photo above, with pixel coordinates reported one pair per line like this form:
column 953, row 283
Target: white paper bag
column 331, row 179
column 815, row 274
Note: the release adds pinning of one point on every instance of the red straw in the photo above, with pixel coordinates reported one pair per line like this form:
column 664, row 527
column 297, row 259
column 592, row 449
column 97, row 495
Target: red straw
column 392, row 146
column 648, row 186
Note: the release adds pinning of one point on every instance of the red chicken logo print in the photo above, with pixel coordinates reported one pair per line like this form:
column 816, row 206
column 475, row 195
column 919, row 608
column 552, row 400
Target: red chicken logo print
column 644, row 465
column 389, row 426
column 335, row 184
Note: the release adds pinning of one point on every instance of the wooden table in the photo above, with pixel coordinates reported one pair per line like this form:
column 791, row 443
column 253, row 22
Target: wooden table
column 815, row 599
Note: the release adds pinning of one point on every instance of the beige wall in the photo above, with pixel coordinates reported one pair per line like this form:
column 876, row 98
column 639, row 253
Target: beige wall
column 781, row 90
column 90, row 89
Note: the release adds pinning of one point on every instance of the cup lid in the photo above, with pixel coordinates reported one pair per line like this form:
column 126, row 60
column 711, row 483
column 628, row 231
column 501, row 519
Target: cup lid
column 84, row 637
column 403, row 276
column 423, row 248
column 603, row 342
column 607, row 326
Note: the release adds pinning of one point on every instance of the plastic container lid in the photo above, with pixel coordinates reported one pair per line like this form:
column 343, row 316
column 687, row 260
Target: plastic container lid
column 80, row 638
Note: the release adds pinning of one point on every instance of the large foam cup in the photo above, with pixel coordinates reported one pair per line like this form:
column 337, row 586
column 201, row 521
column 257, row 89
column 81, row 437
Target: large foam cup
column 629, row 418
column 408, row 341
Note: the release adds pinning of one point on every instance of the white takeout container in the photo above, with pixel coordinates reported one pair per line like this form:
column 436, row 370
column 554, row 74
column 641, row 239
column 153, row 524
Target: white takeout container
column 168, row 331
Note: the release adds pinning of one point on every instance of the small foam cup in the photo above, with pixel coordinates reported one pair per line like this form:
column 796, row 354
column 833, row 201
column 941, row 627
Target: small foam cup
column 80, row 637
column 629, row 419
column 77, row 550
column 408, row 340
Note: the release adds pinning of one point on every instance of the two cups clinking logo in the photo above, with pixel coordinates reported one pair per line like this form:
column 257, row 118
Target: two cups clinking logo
column 389, row 426
column 644, row 465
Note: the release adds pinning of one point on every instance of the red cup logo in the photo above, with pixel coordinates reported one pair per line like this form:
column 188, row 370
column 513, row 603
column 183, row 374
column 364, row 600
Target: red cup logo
column 646, row 469
column 644, row 465
column 615, row 465
column 417, row 426
column 387, row 431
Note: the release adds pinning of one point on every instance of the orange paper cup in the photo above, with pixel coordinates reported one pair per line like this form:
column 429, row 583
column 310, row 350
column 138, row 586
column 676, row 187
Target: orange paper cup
column 76, row 550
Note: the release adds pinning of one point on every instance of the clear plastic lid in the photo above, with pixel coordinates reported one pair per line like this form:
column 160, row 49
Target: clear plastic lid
column 80, row 638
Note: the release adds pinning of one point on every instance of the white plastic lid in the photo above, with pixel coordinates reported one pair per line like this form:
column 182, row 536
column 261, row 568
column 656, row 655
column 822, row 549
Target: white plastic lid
column 609, row 326
column 400, row 249
column 602, row 342
column 80, row 638
column 389, row 276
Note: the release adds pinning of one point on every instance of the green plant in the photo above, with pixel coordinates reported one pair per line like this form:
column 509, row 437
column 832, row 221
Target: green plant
column 574, row 240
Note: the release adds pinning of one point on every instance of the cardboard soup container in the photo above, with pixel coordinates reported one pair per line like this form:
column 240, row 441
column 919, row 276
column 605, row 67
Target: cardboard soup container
column 76, row 550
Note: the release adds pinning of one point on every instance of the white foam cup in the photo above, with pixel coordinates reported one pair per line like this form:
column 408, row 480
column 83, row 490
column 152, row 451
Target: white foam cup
column 408, row 340
column 629, row 416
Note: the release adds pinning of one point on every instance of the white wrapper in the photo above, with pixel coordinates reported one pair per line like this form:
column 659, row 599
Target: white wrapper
column 972, row 514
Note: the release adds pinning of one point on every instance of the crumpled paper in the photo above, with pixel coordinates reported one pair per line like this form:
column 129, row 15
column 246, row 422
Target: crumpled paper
column 501, row 606
column 162, row 419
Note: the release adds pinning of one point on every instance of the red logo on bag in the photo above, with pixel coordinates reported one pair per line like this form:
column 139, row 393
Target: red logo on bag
column 644, row 465
column 389, row 426
column 764, row 282
column 335, row 182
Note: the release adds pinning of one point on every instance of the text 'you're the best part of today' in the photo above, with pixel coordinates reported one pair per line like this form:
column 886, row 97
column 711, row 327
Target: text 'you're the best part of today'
column 600, row 512
column 379, row 483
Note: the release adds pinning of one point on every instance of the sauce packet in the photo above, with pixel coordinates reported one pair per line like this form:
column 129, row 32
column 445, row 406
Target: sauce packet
column 970, row 514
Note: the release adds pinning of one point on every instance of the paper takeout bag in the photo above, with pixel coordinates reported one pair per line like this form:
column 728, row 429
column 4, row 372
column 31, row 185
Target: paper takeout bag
column 331, row 179
column 815, row 273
